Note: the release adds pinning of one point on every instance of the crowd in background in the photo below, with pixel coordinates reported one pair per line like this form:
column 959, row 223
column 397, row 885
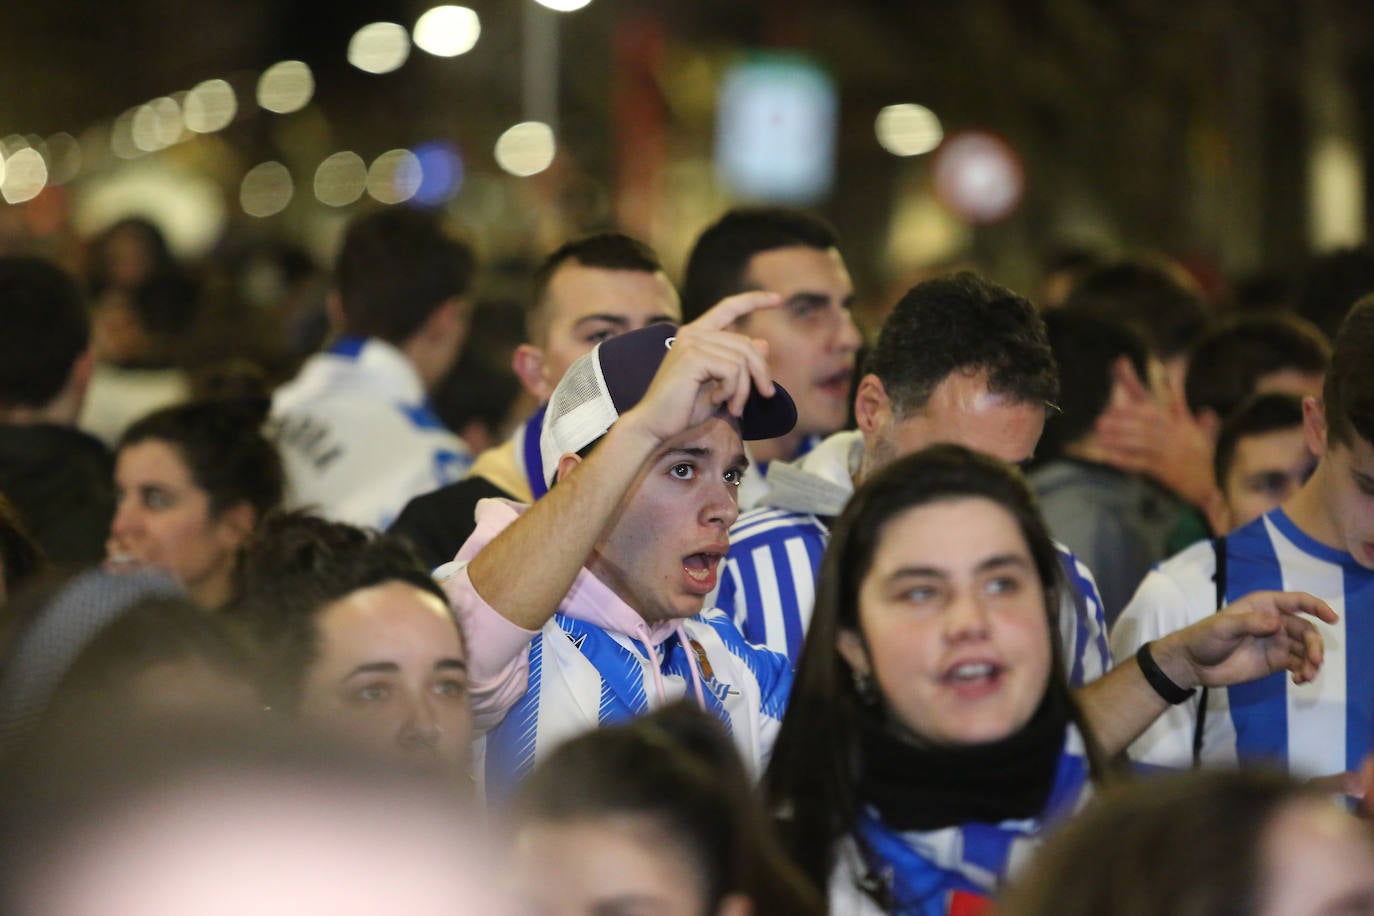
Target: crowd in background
column 357, row 589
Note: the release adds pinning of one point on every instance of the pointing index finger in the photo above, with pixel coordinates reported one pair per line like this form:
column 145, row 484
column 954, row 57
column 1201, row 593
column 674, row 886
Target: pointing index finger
column 732, row 308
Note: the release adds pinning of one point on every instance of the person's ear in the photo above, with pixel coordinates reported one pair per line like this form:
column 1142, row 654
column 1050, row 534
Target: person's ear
column 528, row 363
column 333, row 309
column 735, row 905
column 1210, row 422
column 1314, row 427
column 566, row 464
column 236, row 523
column 872, row 406
column 851, row 647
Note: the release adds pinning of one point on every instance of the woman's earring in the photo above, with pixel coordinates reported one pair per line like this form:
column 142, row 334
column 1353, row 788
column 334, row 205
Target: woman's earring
column 863, row 686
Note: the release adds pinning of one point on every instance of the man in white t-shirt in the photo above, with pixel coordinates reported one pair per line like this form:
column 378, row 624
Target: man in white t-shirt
column 356, row 432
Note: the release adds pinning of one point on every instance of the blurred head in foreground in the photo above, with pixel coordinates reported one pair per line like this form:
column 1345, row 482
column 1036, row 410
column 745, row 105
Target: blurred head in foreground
column 222, row 821
column 656, row 816
column 1245, row 843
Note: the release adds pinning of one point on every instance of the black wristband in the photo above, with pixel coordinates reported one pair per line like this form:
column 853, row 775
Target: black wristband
column 1170, row 692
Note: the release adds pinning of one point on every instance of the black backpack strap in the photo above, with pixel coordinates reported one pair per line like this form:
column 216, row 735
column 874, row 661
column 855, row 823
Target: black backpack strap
column 1219, row 577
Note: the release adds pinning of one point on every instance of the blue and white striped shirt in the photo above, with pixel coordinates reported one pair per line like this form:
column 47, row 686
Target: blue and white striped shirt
column 1314, row 729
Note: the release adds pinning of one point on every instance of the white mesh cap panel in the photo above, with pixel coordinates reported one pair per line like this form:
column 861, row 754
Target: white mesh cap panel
column 580, row 411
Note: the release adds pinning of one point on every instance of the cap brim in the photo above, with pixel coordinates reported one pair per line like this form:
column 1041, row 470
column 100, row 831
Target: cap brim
column 768, row 417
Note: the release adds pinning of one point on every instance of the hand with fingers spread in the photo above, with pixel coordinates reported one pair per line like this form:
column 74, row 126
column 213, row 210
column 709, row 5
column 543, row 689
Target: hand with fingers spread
column 1253, row 637
column 1142, row 435
column 708, row 367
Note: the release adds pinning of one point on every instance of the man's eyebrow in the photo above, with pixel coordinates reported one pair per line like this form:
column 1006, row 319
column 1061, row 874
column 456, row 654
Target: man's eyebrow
column 741, row 461
column 450, row 664
column 607, row 317
column 374, row 668
column 687, row 451
column 808, row 298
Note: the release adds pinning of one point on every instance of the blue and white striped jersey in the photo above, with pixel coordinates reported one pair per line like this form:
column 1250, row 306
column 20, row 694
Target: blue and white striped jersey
column 582, row 676
column 768, row 585
column 1314, row 729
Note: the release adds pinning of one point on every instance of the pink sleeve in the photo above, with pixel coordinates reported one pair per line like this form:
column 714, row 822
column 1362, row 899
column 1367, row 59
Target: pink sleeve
column 498, row 652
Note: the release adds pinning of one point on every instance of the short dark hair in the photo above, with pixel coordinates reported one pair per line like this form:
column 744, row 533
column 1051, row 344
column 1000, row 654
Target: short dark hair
column 223, row 447
column 963, row 323
column 1263, row 413
column 46, row 329
column 1230, row 359
column 719, row 262
column 1086, row 348
column 606, row 250
column 1147, row 298
column 297, row 564
column 1348, row 394
column 395, row 268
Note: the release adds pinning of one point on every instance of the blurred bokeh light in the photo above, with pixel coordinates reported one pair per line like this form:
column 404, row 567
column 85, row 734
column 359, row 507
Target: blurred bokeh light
column 340, row 179
column 266, row 189
column 908, row 130
column 209, row 107
column 380, row 47
column 526, row 148
column 286, row 87
column 447, row 31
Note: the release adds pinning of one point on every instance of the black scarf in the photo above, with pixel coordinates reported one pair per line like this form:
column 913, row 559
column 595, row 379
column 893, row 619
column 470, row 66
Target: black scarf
column 919, row 786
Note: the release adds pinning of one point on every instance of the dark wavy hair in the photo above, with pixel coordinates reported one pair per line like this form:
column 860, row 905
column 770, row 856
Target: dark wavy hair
column 295, row 566
column 816, row 764
column 223, row 446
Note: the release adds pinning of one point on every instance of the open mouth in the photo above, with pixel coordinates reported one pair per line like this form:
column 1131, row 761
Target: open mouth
column 700, row 569
column 973, row 678
column 836, row 385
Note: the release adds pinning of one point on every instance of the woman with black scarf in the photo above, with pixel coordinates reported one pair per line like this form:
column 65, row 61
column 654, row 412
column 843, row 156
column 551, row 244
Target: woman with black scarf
column 931, row 734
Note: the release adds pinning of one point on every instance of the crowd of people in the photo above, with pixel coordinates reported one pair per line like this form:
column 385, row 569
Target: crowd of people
column 708, row 604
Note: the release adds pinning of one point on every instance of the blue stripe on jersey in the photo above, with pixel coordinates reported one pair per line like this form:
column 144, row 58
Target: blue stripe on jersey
column 622, row 675
column 771, row 670
column 1259, row 709
column 511, row 744
column 1359, row 664
column 787, row 594
column 421, row 416
column 1080, row 607
column 348, row 346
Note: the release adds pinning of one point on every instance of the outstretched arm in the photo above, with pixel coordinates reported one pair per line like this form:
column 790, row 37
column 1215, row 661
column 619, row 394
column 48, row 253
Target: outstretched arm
column 707, row 368
column 1259, row 634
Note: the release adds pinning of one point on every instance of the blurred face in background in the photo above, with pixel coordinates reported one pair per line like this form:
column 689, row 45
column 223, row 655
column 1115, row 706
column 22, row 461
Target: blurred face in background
column 391, row 672
column 585, row 305
column 163, row 520
column 1266, row 469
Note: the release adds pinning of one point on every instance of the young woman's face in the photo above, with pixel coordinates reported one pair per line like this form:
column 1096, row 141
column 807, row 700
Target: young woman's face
column 955, row 631
column 618, row 865
column 162, row 519
column 391, row 671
